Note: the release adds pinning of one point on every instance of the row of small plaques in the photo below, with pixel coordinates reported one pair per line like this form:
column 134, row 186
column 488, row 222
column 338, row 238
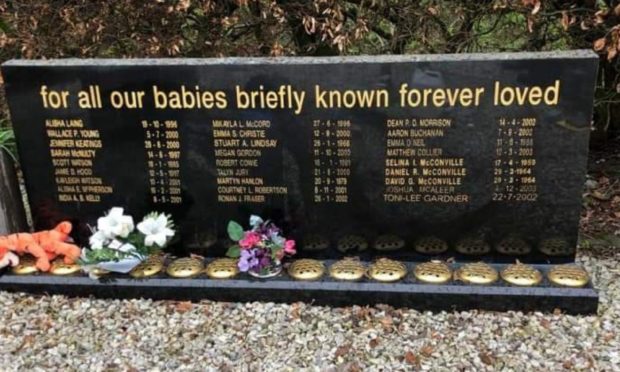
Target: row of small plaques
column 511, row 245
column 437, row 272
column 349, row 269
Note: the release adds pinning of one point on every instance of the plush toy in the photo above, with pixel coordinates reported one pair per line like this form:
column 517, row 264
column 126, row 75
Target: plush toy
column 8, row 258
column 43, row 245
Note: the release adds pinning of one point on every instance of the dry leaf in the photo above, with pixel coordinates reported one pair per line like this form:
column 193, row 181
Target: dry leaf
column 600, row 196
column 373, row 343
column 183, row 306
column 565, row 20
column 410, row 358
column 427, row 350
column 535, row 3
column 611, row 52
column 487, row 359
column 342, row 350
column 583, row 25
column 599, row 44
column 600, row 16
column 387, row 322
column 609, row 336
column 296, row 310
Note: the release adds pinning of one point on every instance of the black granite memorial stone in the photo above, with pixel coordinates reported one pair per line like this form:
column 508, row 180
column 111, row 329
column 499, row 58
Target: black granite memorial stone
column 484, row 155
column 477, row 157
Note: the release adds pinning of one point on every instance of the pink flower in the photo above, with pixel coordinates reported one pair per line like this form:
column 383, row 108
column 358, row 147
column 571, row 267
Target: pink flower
column 289, row 247
column 280, row 255
column 250, row 240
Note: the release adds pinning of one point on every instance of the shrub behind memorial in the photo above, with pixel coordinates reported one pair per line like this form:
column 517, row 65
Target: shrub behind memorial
column 209, row 28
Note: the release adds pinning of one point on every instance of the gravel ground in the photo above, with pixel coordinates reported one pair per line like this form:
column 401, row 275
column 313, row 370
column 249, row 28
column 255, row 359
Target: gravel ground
column 59, row 333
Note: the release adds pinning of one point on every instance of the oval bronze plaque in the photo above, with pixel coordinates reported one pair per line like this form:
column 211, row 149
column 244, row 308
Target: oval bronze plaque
column 476, row 273
column 98, row 272
column 555, row 247
column 472, row 246
column 59, row 267
column 433, row 272
column 153, row 265
column 306, row 269
column 26, row 265
column 350, row 269
column 430, row 245
column 386, row 243
column 568, row 276
column 386, row 270
column 520, row 274
column 513, row 246
column 350, row 243
column 186, row 267
column 222, row 268
column 315, row 243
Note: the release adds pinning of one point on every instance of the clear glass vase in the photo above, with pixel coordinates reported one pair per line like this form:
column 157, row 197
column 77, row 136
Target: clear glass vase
column 268, row 272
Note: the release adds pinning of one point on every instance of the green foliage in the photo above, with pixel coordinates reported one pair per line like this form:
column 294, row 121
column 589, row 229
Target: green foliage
column 207, row 28
column 7, row 142
column 234, row 251
column 235, row 231
column 4, row 27
column 93, row 257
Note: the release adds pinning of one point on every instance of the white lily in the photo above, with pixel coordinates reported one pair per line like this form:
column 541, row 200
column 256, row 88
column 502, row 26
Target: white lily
column 115, row 224
column 98, row 240
column 156, row 231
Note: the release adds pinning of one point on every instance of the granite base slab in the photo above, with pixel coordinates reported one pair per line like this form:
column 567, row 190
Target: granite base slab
column 410, row 293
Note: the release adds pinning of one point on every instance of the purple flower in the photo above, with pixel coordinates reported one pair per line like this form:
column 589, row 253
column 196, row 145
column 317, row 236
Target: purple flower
column 272, row 231
column 265, row 261
column 247, row 260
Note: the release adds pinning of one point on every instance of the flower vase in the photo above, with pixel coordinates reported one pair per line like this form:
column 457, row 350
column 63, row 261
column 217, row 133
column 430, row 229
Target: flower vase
column 267, row 272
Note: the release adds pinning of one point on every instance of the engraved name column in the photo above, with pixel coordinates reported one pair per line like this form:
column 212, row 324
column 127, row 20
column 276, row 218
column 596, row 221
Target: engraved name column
column 241, row 147
column 417, row 168
column 73, row 149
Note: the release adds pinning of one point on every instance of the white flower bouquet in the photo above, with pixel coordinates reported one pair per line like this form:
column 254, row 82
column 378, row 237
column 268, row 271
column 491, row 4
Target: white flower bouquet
column 118, row 245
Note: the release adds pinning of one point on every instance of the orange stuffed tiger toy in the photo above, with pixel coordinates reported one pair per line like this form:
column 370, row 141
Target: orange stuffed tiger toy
column 43, row 245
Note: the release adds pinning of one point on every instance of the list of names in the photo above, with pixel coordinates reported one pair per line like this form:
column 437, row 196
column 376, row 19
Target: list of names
column 417, row 169
column 73, row 150
column 417, row 172
column 241, row 148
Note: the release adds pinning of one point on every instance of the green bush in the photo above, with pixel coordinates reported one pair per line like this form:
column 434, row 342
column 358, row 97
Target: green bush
column 7, row 141
column 215, row 28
